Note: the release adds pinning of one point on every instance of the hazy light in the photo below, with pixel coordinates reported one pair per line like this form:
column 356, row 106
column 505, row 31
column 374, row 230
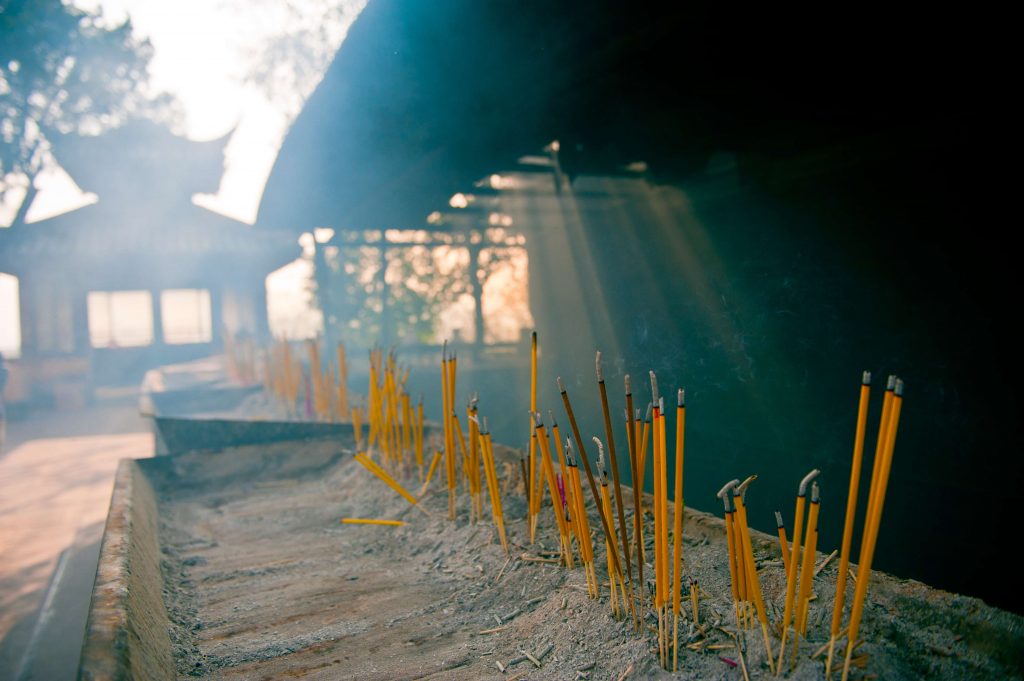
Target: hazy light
column 459, row 200
column 10, row 316
column 290, row 313
column 540, row 161
column 497, row 181
column 323, row 234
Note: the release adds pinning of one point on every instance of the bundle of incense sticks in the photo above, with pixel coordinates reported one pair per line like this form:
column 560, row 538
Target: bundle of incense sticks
column 549, row 475
column 752, row 580
column 397, row 431
column 394, row 430
column 239, row 358
column 618, row 589
column 581, row 523
column 606, row 521
column 493, row 488
column 615, row 467
column 794, row 558
column 283, row 374
column 448, row 368
column 667, row 554
column 341, row 409
column 892, row 405
column 320, row 398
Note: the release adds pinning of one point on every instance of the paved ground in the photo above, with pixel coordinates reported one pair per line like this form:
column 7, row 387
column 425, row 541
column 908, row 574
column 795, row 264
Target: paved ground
column 56, row 474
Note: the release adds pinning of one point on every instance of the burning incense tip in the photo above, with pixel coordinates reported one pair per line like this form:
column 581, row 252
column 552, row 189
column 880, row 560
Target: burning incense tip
column 681, row 398
column 600, row 456
column 778, row 519
column 866, row 378
column 654, row 388
column 629, row 385
column 815, row 497
column 570, row 457
column 806, row 481
column 890, row 383
column 561, row 386
column 372, row 521
column 597, row 366
column 647, row 418
column 898, row 390
column 554, row 423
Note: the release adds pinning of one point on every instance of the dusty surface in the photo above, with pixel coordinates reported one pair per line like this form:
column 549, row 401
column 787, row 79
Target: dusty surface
column 262, row 582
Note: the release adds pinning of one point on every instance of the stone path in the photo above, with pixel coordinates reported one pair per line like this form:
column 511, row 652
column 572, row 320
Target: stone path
column 56, row 475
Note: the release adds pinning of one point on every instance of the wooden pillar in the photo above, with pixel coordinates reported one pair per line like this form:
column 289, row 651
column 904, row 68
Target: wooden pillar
column 158, row 320
column 27, row 307
column 386, row 326
column 477, row 284
column 216, row 313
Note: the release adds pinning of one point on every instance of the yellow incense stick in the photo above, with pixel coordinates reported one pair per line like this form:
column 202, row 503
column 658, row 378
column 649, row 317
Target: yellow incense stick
column 783, row 544
column 638, row 488
column 449, row 445
column 372, row 521
column 549, row 473
column 586, row 545
column 811, row 549
column 730, row 529
column 677, row 526
column 495, row 491
column 430, row 473
column 533, row 482
column 753, row 582
column 806, row 569
column 389, row 481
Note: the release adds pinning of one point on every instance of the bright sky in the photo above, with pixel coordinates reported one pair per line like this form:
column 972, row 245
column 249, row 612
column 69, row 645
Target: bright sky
column 204, row 50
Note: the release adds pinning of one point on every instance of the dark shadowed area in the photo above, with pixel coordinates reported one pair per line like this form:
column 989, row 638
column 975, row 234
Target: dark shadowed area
column 757, row 209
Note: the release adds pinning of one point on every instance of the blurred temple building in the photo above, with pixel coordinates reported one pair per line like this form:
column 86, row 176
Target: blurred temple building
column 143, row 277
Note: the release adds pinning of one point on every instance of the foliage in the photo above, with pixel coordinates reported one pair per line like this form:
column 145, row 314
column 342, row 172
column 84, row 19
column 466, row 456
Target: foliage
column 64, row 70
column 421, row 283
column 289, row 63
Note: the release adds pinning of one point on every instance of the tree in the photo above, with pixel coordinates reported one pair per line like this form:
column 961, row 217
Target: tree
column 63, row 70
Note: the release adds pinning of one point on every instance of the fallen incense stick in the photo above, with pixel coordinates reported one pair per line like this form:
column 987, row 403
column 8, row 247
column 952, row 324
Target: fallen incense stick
column 372, row 521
